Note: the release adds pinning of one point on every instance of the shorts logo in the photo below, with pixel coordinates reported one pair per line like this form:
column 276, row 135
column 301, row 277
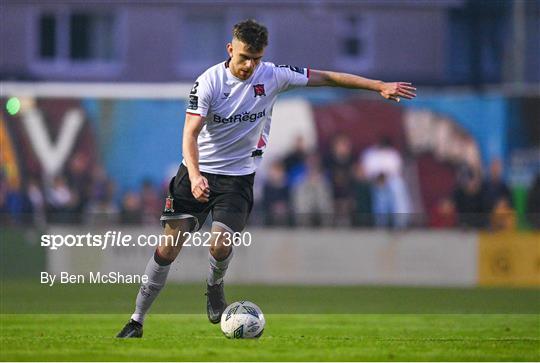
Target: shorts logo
column 169, row 205
column 259, row 90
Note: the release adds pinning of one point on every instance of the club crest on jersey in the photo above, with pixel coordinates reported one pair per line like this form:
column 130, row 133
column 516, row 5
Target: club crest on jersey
column 259, row 90
column 169, row 205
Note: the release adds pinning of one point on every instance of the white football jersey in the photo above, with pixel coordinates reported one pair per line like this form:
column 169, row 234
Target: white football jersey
column 237, row 114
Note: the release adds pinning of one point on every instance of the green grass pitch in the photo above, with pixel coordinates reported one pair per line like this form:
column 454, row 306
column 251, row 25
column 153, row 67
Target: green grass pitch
column 287, row 337
column 78, row 323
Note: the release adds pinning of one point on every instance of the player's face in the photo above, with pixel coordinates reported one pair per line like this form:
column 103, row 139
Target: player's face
column 243, row 61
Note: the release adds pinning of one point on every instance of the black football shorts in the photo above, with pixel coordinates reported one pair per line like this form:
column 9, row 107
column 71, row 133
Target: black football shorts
column 231, row 200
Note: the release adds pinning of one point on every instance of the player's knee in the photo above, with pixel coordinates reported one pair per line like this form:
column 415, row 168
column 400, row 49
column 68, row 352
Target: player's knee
column 221, row 248
column 169, row 252
column 175, row 237
column 175, row 226
column 220, row 252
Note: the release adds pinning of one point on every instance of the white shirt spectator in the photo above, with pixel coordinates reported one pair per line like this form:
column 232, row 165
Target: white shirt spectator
column 381, row 160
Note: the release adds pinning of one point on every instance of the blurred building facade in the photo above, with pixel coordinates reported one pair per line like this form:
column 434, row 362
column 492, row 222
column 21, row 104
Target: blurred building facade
column 473, row 42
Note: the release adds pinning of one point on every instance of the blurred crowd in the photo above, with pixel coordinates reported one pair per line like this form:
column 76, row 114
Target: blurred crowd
column 82, row 194
column 485, row 202
column 340, row 188
column 369, row 190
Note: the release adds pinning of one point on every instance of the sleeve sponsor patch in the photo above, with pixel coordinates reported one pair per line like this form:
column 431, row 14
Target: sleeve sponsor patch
column 200, row 97
column 193, row 102
column 292, row 68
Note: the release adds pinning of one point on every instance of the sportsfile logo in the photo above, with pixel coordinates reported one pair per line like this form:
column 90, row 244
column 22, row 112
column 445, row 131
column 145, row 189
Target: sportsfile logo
column 241, row 117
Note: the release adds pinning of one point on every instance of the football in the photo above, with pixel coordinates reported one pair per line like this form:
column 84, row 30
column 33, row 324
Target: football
column 242, row 319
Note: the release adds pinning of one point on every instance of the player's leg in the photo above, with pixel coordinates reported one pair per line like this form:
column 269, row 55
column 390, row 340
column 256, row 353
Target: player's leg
column 219, row 256
column 182, row 213
column 157, row 270
column 159, row 264
column 230, row 213
column 220, row 252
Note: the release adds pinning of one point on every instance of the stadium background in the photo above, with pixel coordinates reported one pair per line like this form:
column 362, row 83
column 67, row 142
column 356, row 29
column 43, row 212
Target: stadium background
column 93, row 99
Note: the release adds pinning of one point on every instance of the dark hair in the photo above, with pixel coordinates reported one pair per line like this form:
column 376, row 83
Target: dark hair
column 253, row 34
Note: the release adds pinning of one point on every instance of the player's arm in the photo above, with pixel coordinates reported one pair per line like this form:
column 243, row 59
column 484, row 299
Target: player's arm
column 190, row 149
column 389, row 90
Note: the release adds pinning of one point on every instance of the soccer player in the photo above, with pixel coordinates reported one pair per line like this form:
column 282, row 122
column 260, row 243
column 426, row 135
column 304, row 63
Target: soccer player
column 226, row 130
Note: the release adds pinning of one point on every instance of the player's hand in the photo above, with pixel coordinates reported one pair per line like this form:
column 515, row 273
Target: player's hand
column 396, row 90
column 200, row 189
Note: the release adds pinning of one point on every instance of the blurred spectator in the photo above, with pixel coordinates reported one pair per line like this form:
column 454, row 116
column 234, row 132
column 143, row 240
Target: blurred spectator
column 468, row 200
column 151, row 203
column 131, row 212
column 13, row 203
column 37, row 201
column 382, row 158
column 312, row 196
column 502, row 216
column 79, row 179
column 533, row 203
column 383, row 165
column 494, row 188
column 61, row 201
column 444, row 215
column 4, row 210
column 383, row 204
column 339, row 164
column 362, row 212
column 103, row 209
column 16, row 204
column 294, row 161
column 276, row 198
column 99, row 183
column 4, row 216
